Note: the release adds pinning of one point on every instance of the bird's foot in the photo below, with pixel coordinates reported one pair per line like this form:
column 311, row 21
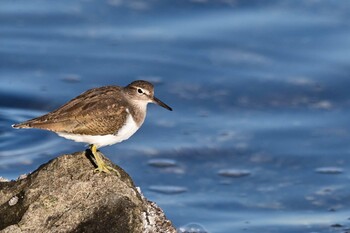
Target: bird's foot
column 101, row 165
column 102, row 168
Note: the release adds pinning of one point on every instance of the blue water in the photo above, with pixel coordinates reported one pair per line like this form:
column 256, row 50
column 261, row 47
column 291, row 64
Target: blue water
column 259, row 137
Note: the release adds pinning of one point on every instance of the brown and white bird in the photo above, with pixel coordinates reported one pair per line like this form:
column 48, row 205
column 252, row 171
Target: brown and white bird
column 100, row 116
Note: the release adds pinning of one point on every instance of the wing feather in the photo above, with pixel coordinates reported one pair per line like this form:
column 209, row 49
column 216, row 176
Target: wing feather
column 98, row 111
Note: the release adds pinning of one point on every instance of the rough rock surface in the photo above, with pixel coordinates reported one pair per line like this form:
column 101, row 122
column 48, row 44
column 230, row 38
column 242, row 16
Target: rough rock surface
column 66, row 195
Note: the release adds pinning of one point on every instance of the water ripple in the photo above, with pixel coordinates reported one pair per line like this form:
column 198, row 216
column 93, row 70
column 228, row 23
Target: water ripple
column 19, row 146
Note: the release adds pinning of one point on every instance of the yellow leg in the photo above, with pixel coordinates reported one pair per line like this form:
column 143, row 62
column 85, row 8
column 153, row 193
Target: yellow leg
column 101, row 165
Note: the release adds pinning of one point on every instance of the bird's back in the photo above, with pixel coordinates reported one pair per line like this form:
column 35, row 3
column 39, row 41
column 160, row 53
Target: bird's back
column 98, row 111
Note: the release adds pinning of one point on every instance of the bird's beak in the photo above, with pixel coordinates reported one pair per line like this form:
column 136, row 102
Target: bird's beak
column 160, row 103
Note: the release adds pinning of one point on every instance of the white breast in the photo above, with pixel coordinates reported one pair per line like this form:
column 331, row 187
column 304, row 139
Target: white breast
column 129, row 128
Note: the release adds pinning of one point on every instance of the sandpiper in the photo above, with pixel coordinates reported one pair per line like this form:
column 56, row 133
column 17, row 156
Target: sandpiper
column 100, row 116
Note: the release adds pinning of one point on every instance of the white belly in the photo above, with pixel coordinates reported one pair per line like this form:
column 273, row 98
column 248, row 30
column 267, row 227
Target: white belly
column 124, row 133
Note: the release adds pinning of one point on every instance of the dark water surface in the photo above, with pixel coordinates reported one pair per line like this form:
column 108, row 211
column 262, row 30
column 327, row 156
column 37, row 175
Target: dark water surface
column 259, row 137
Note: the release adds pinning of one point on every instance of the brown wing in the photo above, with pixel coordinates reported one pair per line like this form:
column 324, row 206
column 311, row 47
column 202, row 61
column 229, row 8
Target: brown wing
column 98, row 111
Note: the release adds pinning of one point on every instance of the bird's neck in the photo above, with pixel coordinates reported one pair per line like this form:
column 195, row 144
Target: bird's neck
column 138, row 111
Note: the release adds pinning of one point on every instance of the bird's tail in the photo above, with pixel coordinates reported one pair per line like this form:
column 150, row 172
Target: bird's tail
column 23, row 125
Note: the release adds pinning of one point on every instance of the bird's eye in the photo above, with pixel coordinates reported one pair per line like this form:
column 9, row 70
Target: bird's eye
column 139, row 90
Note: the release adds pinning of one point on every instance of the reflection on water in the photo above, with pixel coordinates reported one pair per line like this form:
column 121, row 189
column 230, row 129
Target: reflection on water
column 258, row 139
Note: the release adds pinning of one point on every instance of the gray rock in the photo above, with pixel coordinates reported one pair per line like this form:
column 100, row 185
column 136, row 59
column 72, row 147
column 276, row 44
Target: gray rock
column 66, row 195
